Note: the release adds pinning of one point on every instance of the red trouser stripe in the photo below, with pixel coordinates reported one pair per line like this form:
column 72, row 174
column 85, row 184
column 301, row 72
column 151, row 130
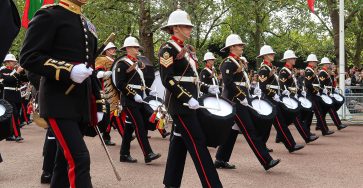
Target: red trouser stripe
column 249, row 138
column 196, row 151
column 137, row 132
column 14, row 126
column 24, row 113
column 298, row 123
column 119, row 125
column 66, row 151
column 278, row 122
column 336, row 120
column 321, row 118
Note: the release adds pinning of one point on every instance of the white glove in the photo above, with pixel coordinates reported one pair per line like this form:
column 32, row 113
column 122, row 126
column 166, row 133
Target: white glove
column 296, row 96
column 286, row 92
column 138, row 98
column 80, row 72
column 213, row 89
column 153, row 93
column 303, row 93
column 193, row 104
column 244, row 102
column 325, row 91
column 99, row 116
column 257, row 91
column 318, row 94
column 336, row 90
column 276, row 98
column 103, row 74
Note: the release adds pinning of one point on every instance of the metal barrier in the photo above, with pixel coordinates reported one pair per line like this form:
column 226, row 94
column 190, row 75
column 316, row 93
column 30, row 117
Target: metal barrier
column 354, row 103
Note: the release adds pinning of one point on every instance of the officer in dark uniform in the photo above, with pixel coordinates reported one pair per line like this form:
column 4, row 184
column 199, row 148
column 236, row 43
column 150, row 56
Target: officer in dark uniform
column 130, row 81
column 178, row 71
column 312, row 85
column 236, row 88
column 269, row 84
column 326, row 84
column 60, row 56
column 13, row 76
column 288, row 84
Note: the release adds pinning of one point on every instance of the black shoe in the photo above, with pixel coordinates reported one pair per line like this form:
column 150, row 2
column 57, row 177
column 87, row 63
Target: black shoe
column 46, row 178
column 109, row 143
column 296, row 148
column 18, row 139
column 223, row 165
column 127, row 159
column 11, row 138
column 277, row 140
column 340, row 127
column 133, row 138
column 1, row 159
column 271, row 164
column 152, row 156
column 166, row 134
column 317, row 128
column 22, row 124
column 269, row 150
column 328, row 133
column 312, row 134
column 312, row 138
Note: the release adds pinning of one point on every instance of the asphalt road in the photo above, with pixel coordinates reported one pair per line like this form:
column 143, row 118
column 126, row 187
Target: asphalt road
column 331, row 161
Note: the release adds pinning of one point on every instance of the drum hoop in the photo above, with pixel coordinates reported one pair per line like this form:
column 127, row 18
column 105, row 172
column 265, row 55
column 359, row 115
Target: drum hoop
column 209, row 114
column 264, row 117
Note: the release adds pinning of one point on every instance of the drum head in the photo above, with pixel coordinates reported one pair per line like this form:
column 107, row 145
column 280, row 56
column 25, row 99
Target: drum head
column 290, row 103
column 6, row 110
column 338, row 97
column 326, row 99
column 2, row 110
column 305, row 102
column 262, row 107
column 224, row 107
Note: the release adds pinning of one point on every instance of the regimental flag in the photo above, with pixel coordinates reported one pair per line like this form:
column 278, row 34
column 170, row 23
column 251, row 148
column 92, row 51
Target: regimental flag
column 32, row 6
column 10, row 26
column 311, row 5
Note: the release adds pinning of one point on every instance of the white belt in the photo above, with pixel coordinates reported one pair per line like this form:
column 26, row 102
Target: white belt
column 51, row 138
column 240, row 83
column 12, row 88
column 176, row 134
column 140, row 87
column 329, row 87
column 185, row 79
column 316, row 85
column 272, row 86
column 292, row 88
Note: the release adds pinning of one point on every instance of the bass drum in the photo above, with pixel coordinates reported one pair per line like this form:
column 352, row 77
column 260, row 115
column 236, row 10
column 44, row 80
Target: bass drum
column 338, row 100
column 216, row 124
column 306, row 104
column 6, row 111
column 154, row 103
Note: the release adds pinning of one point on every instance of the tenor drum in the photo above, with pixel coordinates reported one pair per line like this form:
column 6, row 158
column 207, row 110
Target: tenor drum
column 263, row 109
column 153, row 104
column 306, row 104
column 338, row 100
column 218, row 121
column 290, row 105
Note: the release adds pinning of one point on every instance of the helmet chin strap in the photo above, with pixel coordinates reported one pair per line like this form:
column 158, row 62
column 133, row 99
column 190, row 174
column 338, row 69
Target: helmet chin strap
column 181, row 32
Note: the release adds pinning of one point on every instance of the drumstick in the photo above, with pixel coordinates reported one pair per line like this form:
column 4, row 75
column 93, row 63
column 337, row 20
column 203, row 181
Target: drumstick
column 258, row 111
column 204, row 107
column 150, row 104
column 288, row 95
column 214, row 83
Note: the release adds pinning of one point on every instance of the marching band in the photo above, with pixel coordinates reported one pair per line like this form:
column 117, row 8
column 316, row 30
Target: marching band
column 111, row 92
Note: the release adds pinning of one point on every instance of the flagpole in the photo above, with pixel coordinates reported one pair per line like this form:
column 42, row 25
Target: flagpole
column 341, row 54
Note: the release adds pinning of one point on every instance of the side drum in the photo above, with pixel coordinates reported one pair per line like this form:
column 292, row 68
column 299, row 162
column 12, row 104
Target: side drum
column 338, row 100
column 6, row 111
column 216, row 124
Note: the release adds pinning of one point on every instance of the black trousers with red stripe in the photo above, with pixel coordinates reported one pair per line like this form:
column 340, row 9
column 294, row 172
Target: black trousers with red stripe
column 72, row 164
column 248, row 129
column 24, row 116
column 307, row 119
column 189, row 137
column 320, row 114
column 300, row 126
column 334, row 116
column 115, row 122
column 49, row 152
column 15, row 131
column 224, row 151
column 135, row 115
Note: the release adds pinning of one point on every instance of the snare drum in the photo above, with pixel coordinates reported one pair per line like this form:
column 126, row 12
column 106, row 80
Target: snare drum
column 306, row 104
column 338, row 100
column 154, row 103
column 290, row 105
column 326, row 100
column 216, row 124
